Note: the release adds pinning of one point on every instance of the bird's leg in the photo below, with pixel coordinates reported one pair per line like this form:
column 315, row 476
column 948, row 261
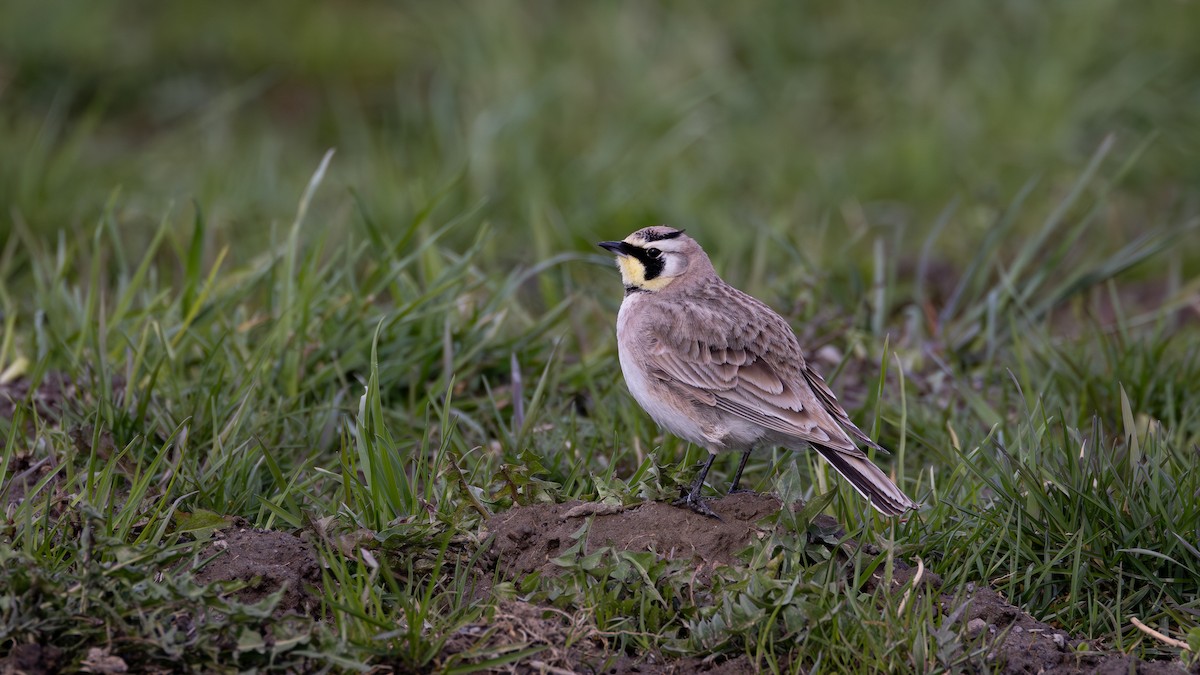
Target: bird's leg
column 691, row 497
column 737, row 476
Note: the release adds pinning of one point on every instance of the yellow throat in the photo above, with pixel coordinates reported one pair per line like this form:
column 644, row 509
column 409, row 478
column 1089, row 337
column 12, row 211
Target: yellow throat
column 633, row 274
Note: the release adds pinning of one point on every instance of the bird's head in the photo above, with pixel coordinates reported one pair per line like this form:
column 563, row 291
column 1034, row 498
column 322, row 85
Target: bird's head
column 655, row 257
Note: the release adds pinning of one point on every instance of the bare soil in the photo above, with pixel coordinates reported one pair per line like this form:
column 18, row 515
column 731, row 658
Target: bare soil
column 31, row 659
column 267, row 561
column 1022, row 644
column 56, row 393
column 566, row 644
column 528, row 538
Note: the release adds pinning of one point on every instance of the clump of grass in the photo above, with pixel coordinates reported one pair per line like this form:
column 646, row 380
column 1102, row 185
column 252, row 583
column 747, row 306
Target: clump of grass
column 81, row 587
column 222, row 395
column 318, row 388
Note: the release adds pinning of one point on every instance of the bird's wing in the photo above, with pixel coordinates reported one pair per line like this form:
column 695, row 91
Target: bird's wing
column 744, row 359
column 834, row 408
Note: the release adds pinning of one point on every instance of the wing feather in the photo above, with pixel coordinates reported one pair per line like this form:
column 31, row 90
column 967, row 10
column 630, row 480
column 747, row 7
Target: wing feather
column 746, row 361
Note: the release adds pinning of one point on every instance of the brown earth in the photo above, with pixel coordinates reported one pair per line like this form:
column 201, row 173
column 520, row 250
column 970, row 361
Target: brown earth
column 267, row 561
column 528, row 538
column 47, row 402
column 565, row 644
column 1022, row 644
column 56, row 392
column 31, row 659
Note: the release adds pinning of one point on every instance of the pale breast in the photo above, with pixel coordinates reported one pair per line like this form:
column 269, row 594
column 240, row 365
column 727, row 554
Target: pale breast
column 699, row 424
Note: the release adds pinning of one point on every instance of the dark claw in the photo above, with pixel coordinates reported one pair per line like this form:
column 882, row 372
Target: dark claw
column 690, row 497
column 697, row 505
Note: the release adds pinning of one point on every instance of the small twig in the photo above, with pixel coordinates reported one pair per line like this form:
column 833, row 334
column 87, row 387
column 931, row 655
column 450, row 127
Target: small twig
column 915, row 580
column 1157, row 635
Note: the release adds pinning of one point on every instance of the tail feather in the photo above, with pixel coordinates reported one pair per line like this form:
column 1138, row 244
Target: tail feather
column 870, row 481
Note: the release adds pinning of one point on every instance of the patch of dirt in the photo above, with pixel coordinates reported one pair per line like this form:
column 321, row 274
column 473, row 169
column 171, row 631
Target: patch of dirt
column 1022, row 644
column 47, row 399
column 529, row 538
column 267, row 560
column 740, row 665
column 55, row 392
column 568, row 644
column 24, row 474
column 25, row 470
column 31, row 659
column 564, row 640
column 1098, row 307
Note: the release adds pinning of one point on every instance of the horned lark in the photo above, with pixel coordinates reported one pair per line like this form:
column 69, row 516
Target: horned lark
column 720, row 369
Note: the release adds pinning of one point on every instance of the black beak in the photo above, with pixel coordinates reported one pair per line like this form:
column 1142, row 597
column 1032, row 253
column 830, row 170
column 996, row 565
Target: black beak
column 618, row 247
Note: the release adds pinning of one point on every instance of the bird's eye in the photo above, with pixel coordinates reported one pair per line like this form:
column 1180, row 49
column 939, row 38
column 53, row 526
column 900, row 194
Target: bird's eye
column 654, row 253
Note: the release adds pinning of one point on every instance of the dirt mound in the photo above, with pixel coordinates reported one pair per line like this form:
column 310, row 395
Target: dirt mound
column 1022, row 644
column 528, row 538
column 267, row 560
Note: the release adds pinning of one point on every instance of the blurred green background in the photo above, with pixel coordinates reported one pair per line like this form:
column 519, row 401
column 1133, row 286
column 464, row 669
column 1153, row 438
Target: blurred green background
column 559, row 124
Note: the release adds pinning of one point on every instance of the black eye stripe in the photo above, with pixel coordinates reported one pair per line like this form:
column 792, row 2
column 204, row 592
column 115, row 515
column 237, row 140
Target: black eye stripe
column 651, row 259
column 654, row 267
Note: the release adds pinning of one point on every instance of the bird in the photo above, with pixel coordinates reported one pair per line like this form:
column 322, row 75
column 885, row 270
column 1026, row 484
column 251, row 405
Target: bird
column 722, row 370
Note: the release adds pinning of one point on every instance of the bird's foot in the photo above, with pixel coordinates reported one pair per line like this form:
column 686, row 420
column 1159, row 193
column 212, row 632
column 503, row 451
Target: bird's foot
column 740, row 491
column 696, row 504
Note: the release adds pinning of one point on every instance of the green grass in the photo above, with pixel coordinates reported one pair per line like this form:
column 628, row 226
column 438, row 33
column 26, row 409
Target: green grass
column 996, row 228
